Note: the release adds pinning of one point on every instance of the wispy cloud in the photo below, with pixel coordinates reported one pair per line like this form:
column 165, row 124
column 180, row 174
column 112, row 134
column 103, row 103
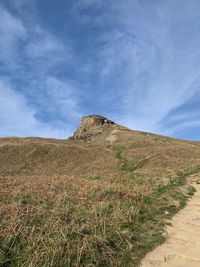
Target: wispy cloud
column 19, row 4
column 151, row 53
column 30, row 92
column 12, row 31
column 56, row 100
column 18, row 118
column 42, row 44
column 134, row 61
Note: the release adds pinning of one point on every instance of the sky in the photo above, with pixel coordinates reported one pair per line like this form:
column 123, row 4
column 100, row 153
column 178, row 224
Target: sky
column 136, row 62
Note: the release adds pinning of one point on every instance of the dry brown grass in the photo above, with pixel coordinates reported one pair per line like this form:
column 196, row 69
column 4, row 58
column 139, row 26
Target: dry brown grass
column 79, row 203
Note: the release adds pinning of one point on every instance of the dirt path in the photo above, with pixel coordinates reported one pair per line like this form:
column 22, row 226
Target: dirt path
column 182, row 247
column 112, row 137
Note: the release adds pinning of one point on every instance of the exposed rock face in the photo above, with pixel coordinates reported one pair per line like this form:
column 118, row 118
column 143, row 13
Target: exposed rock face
column 90, row 126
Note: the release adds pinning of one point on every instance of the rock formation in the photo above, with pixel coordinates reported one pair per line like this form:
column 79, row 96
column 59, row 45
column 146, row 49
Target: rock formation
column 90, row 126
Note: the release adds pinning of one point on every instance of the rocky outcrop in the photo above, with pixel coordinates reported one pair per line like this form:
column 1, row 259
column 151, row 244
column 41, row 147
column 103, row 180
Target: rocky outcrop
column 91, row 126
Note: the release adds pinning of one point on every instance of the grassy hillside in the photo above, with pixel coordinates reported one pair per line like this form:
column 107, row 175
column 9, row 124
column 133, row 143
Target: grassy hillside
column 96, row 201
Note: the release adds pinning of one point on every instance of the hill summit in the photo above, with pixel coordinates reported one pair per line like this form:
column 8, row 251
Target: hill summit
column 91, row 126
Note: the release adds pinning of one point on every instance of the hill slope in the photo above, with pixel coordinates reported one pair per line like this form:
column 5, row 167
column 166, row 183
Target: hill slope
column 99, row 198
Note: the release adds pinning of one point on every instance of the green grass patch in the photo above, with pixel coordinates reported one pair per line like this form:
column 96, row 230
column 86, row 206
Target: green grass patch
column 96, row 177
column 130, row 165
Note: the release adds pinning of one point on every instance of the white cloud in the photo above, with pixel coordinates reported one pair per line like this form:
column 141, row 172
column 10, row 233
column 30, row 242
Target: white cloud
column 29, row 54
column 41, row 44
column 188, row 124
column 12, row 30
column 21, row 42
column 56, row 97
column 18, row 119
column 63, row 95
column 20, row 4
column 144, row 57
column 152, row 51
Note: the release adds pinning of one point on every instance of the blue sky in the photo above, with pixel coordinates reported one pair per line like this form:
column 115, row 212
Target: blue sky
column 136, row 62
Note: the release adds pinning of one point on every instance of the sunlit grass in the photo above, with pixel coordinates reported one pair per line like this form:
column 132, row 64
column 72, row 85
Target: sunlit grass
column 89, row 204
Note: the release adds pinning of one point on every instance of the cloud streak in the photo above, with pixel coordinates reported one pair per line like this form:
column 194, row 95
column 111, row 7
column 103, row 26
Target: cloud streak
column 134, row 61
column 17, row 117
column 12, row 31
column 152, row 51
column 30, row 92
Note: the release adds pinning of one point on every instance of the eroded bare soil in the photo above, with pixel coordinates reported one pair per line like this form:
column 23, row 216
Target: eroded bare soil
column 183, row 243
